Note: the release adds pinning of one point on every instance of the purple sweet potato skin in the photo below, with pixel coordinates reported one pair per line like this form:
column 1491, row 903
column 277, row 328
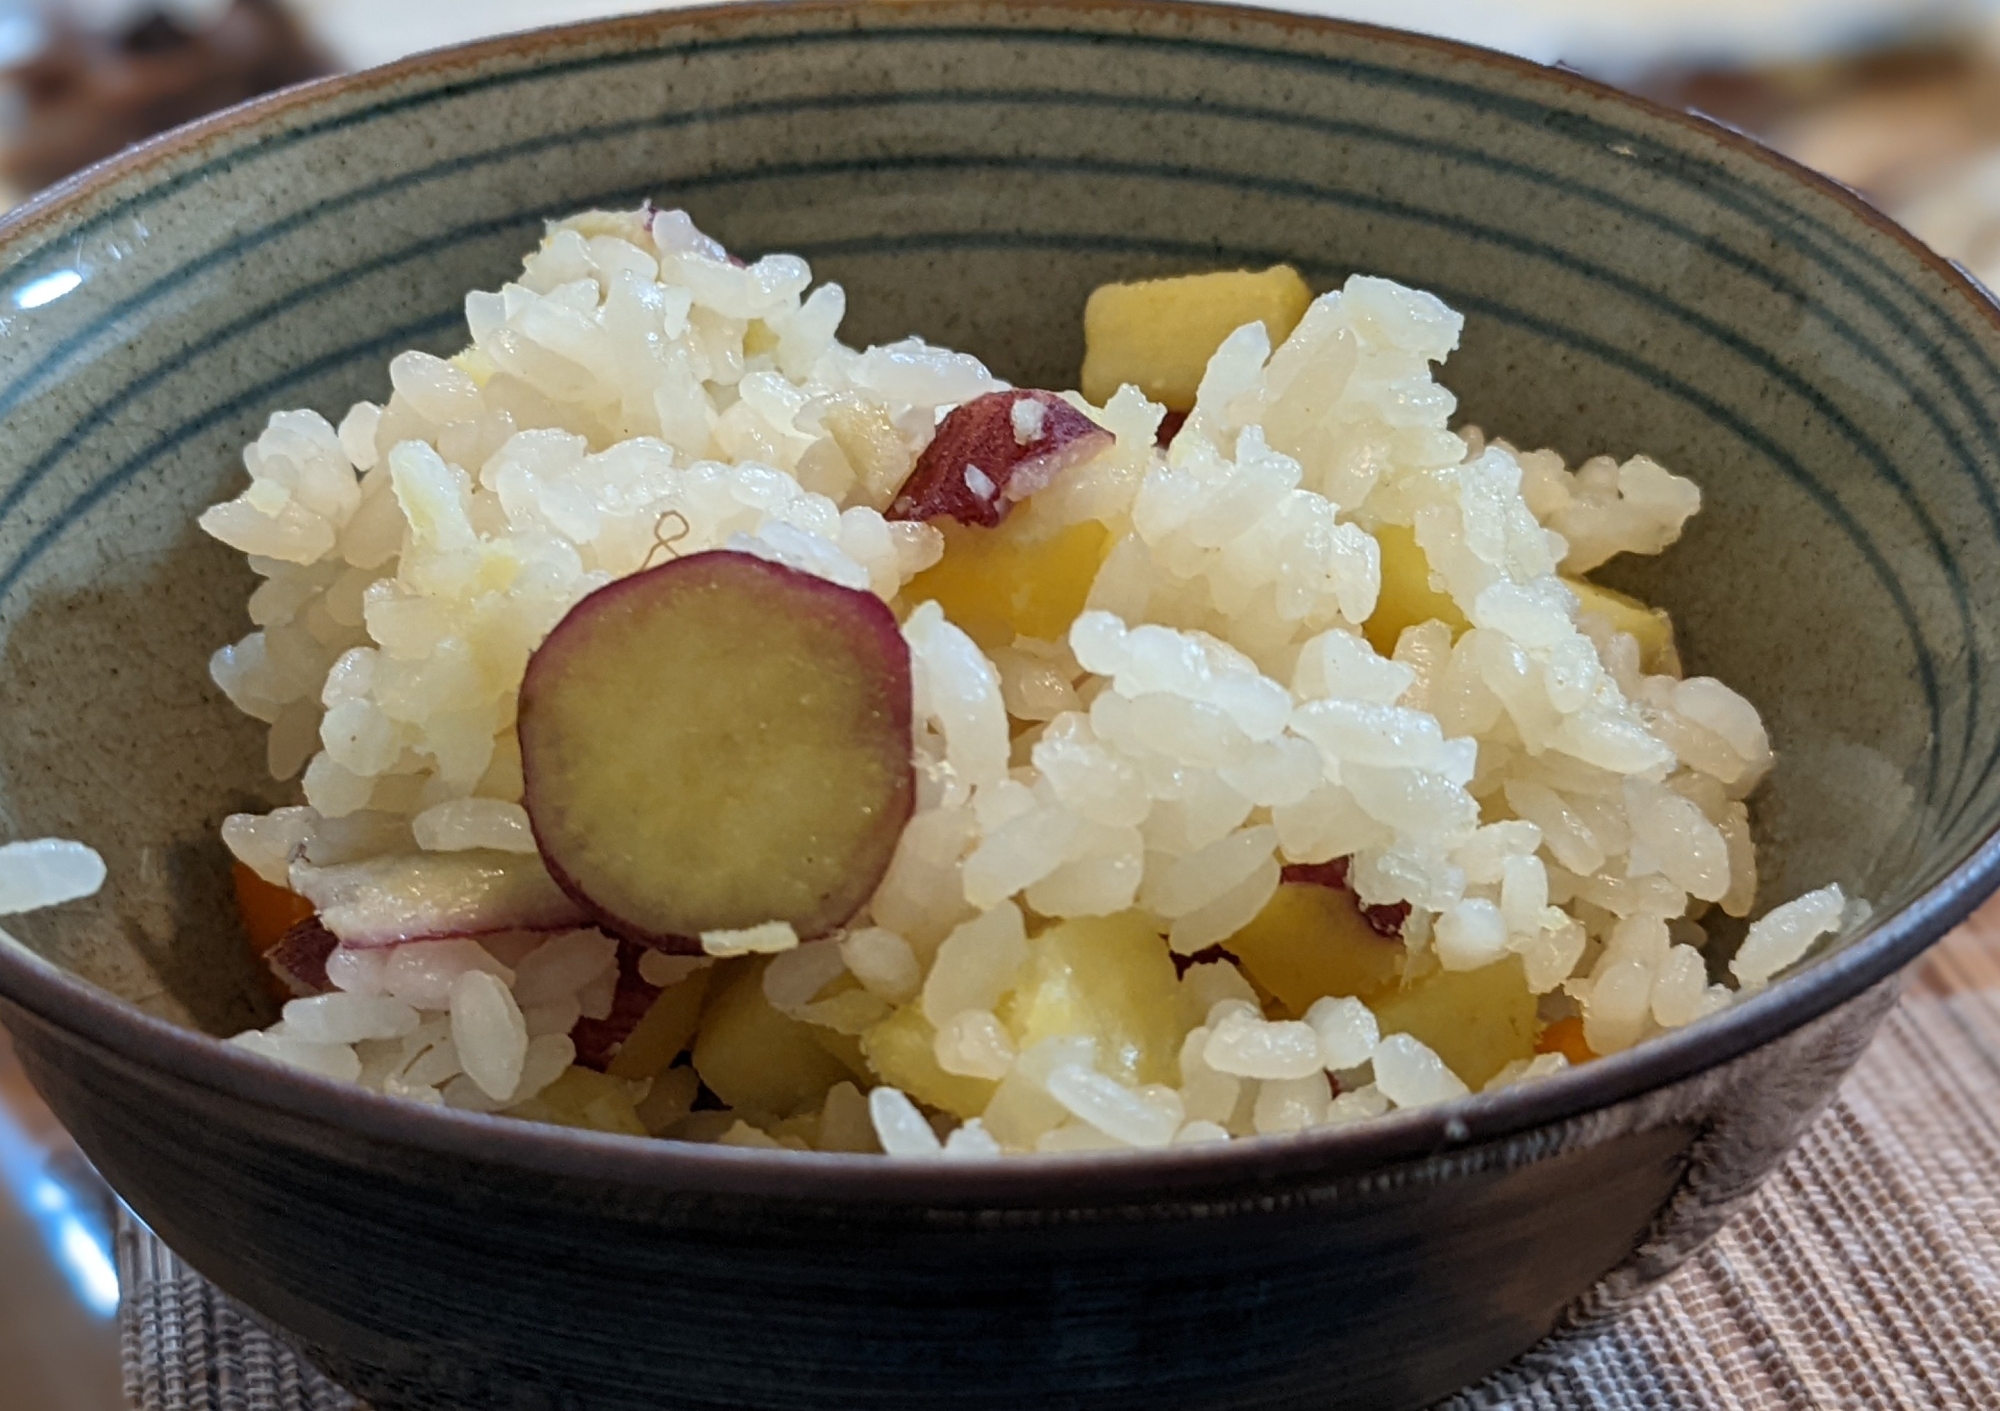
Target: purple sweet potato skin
column 299, row 958
column 861, row 619
column 1385, row 921
column 980, row 435
column 598, row 1040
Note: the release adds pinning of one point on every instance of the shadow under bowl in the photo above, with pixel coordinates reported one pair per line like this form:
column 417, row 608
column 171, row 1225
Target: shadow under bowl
column 1633, row 281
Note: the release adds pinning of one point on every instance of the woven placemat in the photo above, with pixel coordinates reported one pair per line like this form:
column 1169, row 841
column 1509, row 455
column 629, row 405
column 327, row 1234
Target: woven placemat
column 1865, row 1274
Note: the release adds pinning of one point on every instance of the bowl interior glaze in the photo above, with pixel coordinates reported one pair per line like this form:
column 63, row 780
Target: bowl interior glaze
column 1632, row 282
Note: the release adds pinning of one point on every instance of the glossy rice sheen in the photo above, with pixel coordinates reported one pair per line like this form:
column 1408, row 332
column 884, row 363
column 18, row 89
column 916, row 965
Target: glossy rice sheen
column 1632, row 281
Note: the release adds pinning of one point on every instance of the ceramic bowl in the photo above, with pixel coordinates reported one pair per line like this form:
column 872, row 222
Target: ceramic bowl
column 1633, row 281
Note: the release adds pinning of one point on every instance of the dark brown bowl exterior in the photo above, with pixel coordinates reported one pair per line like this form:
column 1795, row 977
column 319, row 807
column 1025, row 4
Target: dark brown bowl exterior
column 442, row 1281
column 1632, row 280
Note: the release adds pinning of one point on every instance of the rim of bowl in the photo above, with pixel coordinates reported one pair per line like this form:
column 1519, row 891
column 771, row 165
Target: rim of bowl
column 67, row 1002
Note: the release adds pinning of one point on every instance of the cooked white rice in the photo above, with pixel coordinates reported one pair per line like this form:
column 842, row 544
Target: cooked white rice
column 46, row 872
column 1526, row 788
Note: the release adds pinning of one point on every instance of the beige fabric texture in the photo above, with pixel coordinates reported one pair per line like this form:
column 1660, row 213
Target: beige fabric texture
column 1866, row 1274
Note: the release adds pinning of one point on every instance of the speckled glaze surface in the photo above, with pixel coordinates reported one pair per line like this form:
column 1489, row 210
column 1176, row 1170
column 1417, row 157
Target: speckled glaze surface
column 1633, row 281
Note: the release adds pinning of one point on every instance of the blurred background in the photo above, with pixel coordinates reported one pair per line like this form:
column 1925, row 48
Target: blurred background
column 1899, row 99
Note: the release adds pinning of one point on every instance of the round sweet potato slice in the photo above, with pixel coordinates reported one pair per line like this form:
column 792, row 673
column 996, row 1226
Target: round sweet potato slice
column 717, row 743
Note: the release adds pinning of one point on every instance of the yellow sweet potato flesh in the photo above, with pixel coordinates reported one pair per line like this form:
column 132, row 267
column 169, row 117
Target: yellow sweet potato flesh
column 1158, row 334
column 1407, row 599
column 756, row 1059
column 664, row 1033
column 1311, row 941
column 1110, row 978
column 902, row 1051
column 718, row 742
column 1477, row 1021
column 1016, row 579
column 585, row 1098
column 1650, row 626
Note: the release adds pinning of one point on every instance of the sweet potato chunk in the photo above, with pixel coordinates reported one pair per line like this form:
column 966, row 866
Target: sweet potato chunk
column 756, row 1059
column 1109, row 978
column 268, row 910
column 1158, row 334
column 1014, row 580
column 994, row 452
column 718, row 743
column 1312, row 940
column 902, row 1052
column 1407, row 597
column 1477, row 1021
column 1651, row 626
column 387, row 901
column 665, row 1032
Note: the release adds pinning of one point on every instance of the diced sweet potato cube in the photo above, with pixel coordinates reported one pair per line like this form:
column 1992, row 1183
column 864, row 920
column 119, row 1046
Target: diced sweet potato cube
column 994, row 452
column 1311, row 941
column 268, row 913
column 583, row 1097
column 598, row 1041
column 753, row 1057
column 1565, row 1036
column 1018, row 579
column 902, row 1051
column 665, row 1032
column 1110, row 978
column 846, row 1051
column 1407, row 599
column 297, row 963
column 1651, row 626
column 669, row 1100
column 1388, row 918
column 268, row 910
column 1158, row 334
column 1477, row 1021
